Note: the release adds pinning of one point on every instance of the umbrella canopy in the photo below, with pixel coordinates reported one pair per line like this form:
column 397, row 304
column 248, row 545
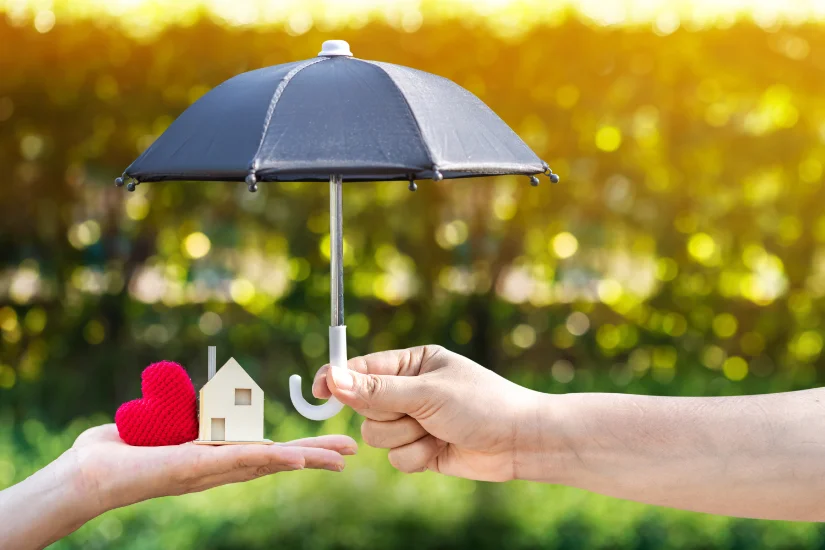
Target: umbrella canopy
column 340, row 119
column 335, row 114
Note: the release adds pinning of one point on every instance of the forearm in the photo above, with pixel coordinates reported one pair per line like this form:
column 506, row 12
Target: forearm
column 48, row 505
column 756, row 456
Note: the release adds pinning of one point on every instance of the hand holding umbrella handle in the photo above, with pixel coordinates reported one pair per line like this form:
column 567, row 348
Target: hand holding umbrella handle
column 337, row 358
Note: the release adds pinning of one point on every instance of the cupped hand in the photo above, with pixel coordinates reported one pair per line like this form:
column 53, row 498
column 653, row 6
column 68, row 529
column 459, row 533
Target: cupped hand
column 437, row 411
column 115, row 474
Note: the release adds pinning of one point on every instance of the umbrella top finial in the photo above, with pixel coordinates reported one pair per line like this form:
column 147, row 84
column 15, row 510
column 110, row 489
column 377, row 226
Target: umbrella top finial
column 331, row 48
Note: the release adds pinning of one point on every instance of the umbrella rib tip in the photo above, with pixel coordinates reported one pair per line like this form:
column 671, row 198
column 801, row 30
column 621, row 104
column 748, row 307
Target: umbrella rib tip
column 554, row 178
column 252, row 181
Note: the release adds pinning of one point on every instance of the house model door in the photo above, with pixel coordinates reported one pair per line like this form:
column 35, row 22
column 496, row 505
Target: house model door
column 218, row 429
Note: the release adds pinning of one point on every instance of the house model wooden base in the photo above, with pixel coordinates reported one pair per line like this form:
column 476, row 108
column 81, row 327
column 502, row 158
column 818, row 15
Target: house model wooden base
column 231, row 410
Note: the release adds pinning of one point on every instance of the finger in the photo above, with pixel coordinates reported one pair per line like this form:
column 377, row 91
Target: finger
column 388, row 435
column 405, row 362
column 415, row 456
column 310, row 457
column 234, row 476
column 372, row 392
column 379, row 416
column 319, row 384
column 201, row 461
column 322, row 459
column 189, row 467
column 398, row 362
column 315, row 458
column 204, row 467
column 341, row 444
column 321, row 390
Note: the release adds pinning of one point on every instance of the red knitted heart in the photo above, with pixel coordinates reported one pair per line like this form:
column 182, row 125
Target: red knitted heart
column 168, row 412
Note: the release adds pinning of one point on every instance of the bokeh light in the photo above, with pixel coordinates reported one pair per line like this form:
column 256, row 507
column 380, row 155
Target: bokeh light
column 196, row 245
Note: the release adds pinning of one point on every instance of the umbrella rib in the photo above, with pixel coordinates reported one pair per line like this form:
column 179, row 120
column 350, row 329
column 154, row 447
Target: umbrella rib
column 276, row 96
column 441, row 166
column 409, row 108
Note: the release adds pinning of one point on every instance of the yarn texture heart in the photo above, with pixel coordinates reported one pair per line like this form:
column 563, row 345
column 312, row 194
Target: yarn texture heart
column 167, row 414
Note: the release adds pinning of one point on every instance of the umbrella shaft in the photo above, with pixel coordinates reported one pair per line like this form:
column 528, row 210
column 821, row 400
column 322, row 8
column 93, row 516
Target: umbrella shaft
column 336, row 250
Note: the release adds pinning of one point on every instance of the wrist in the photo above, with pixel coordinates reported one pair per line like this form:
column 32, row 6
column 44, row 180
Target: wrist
column 77, row 489
column 45, row 507
column 544, row 448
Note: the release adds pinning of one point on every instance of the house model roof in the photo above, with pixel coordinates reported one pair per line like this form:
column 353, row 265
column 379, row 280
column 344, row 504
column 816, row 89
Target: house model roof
column 234, row 372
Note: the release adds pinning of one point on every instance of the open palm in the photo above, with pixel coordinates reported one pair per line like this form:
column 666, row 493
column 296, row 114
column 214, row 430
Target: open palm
column 118, row 474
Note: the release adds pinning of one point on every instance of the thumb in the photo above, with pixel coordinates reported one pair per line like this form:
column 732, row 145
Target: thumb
column 389, row 393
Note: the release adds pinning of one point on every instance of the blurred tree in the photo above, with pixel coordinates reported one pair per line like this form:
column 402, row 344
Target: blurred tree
column 682, row 254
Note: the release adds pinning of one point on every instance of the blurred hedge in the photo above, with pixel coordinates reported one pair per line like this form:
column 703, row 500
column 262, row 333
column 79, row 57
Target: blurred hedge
column 372, row 506
column 682, row 254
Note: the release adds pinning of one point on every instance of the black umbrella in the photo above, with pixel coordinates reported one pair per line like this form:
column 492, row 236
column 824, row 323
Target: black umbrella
column 335, row 118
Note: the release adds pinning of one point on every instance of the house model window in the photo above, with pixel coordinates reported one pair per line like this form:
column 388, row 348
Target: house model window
column 243, row 396
column 231, row 406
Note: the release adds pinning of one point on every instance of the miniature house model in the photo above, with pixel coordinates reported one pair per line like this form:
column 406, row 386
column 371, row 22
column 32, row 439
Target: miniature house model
column 231, row 407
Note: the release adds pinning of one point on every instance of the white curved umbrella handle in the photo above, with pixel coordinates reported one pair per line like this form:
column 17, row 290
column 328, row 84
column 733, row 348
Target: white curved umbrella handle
column 337, row 358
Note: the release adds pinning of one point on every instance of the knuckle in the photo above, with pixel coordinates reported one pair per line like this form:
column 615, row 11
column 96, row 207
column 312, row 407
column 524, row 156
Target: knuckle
column 263, row 471
column 414, row 360
column 430, row 352
column 406, row 362
column 373, row 386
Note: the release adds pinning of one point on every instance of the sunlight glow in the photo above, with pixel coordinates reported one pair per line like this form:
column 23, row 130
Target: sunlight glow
column 505, row 17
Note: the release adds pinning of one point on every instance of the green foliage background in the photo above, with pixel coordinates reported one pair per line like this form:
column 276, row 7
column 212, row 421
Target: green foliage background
column 682, row 254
